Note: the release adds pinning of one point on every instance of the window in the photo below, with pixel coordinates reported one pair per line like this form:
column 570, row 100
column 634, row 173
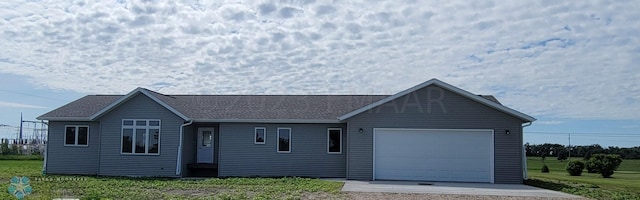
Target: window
column 76, row 136
column 207, row 137
column 260, row 135
column 334, row 140
column 140, row 136
column 284, row 140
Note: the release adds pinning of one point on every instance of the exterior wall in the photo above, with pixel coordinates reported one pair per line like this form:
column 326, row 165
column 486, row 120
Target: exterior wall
column 436, row 108
column 239, row 156
column 188, row 148
column 113, row 163
column 71, row 159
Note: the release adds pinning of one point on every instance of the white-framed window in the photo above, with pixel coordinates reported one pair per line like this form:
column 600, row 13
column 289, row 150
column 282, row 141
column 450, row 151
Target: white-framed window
column 334, row 140
column 76, row 135
column 284, row 140
column 260, row 136
column 140, row 137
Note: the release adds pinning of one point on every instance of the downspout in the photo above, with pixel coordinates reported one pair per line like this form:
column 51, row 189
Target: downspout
column 525, row 174
column 179, row 160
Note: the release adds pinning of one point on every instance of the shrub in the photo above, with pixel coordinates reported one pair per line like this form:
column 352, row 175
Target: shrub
column 590, row 166
column 605, row 164
column 575, row 167
column 545, row 169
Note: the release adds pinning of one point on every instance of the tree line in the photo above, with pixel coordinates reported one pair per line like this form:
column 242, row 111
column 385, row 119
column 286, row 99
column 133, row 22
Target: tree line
column 562, row 152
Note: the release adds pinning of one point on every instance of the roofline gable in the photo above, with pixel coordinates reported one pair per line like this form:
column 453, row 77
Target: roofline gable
column 444, row 85
column 129, row 96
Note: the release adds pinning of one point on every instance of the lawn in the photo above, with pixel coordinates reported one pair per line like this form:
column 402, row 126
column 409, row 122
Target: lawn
column 624, row 184
column 87, row 187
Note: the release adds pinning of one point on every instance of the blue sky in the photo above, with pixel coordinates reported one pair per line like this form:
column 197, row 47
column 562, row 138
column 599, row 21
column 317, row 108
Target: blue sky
column 572, row 65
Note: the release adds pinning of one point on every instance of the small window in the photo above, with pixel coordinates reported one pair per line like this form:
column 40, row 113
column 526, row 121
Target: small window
column 260, row 135
column 76, row 136
column 284, row 140
column 206, row 138
column 334, row 142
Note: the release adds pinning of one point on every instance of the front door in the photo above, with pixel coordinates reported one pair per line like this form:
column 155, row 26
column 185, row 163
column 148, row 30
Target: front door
column 205, row 145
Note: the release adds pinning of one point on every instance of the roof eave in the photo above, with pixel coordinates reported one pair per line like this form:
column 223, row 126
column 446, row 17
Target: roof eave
column 83, row 119
column 292, row 121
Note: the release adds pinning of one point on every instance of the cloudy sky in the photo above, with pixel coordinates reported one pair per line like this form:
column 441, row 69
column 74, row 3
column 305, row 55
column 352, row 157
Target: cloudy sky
column 574, row 65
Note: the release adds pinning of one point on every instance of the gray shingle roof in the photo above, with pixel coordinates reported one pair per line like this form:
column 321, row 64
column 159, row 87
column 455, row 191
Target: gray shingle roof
column 228, row 107
column 267, row 106
column 200, row 107
column 83, row 107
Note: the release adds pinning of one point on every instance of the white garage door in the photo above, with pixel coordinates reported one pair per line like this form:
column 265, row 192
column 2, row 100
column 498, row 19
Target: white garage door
column 433, row 155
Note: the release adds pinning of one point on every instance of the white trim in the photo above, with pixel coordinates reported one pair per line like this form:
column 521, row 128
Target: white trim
column 492, row 158
column 444, row 85
column 373, row 151
column 264, row 138
column 329, row 139
column 132, row 94
column 491, row 143
column 278, row 121
column 77, row 132
column 147, row 134
column 179, row 156
column 278, row 141
column 78, row 119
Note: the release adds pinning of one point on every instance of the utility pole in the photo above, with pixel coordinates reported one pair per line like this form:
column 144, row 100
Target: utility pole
column 569, row 146
column 20, row 137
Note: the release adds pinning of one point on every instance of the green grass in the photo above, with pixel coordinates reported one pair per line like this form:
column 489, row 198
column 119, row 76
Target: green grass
column 21, row 157
column 624, row 184
column 87, row 187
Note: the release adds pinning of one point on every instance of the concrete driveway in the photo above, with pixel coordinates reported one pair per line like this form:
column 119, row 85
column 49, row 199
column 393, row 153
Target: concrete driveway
column 516, row 190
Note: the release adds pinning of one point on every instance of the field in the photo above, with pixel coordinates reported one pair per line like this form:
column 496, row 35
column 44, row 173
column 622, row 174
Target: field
column 624, row 184
column 49, row 187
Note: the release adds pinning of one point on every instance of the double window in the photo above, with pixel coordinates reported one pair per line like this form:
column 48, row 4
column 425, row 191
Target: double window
column 284, row 140
column 141, row 136
column 260, row 136
column 76, row 136
column 334, row 140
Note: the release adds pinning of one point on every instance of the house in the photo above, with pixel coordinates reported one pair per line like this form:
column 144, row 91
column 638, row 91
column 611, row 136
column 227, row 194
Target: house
column 431, row 132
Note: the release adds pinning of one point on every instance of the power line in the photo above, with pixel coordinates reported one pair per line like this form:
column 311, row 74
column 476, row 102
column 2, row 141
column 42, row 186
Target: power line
column 601, row 134
column 33, row 95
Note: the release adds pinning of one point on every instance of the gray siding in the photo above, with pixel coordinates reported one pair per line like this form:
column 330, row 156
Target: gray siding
column 308, row 157
column 412, row 111
column 71, row 159
column 113, row 163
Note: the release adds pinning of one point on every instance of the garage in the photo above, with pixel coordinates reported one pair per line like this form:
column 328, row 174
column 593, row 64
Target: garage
column 456, row 155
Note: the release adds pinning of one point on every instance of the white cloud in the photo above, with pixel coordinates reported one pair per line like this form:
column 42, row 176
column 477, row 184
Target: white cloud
column 7, row 104
column 549, row 58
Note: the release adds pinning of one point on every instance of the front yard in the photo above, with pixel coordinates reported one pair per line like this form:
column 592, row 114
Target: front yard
column 49, row 187
column 624, row 184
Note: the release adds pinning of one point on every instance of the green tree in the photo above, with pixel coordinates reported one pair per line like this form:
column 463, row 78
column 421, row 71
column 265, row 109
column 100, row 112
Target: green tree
column 605, row 164
column 4, row 147
column 575, row 167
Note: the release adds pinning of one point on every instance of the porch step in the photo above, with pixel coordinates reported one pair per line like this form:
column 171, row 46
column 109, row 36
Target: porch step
column 202, row 166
